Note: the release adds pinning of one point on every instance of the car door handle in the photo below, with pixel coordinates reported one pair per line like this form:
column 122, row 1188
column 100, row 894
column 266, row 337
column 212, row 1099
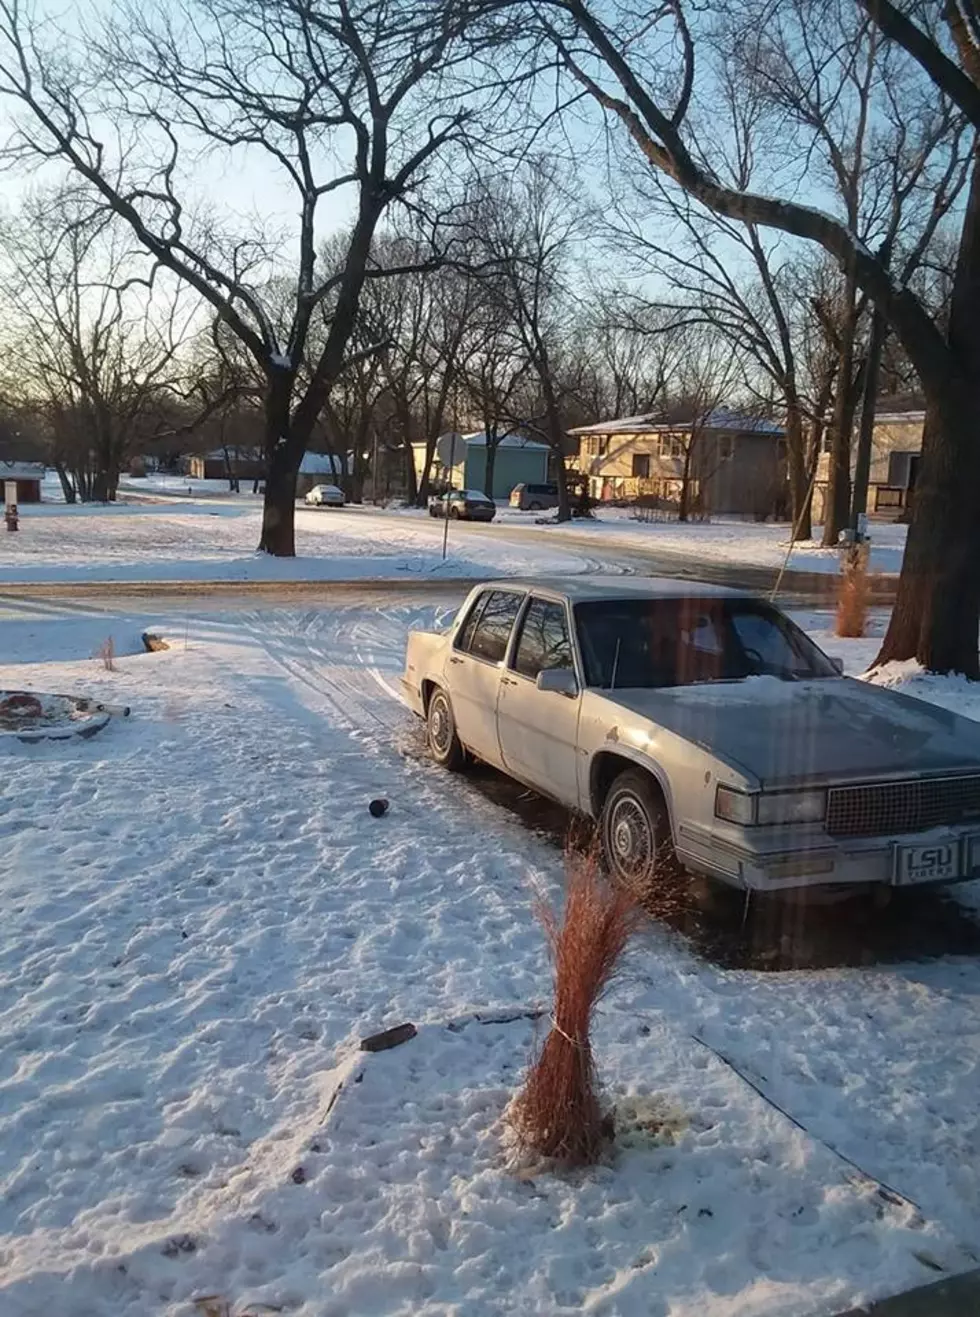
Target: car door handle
column 507, row 681
column 454, row 659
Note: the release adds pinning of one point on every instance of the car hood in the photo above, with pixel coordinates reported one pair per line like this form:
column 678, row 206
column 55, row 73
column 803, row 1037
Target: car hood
column 837, row 729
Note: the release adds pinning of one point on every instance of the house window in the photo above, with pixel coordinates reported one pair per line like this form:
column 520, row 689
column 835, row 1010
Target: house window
column 726, row 448
column 671, row 446
column 641, row 465
column 603, row 444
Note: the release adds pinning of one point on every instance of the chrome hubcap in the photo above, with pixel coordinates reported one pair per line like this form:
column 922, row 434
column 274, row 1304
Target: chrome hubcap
column 631, row 840
column 439, row 725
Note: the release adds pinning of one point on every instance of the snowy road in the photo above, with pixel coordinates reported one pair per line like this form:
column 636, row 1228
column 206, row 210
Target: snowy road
column 201, row 919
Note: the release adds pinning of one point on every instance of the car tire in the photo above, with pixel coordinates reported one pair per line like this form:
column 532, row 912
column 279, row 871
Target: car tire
column 440, row 732
column 637, row 847
column 454, row 514
column 534, row 507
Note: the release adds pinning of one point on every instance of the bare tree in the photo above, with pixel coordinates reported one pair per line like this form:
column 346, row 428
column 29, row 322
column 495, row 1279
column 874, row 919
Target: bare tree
column 339, row 99
column 620, row 65
column 95, row 339
column 525, row 229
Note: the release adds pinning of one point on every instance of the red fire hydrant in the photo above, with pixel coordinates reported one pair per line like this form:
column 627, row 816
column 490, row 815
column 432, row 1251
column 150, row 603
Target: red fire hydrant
column 10, row 516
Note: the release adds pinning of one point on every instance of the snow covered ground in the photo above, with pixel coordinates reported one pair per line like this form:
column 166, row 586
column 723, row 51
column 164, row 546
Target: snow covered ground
column 210, row 539
column 201, row 919
column 159, row 531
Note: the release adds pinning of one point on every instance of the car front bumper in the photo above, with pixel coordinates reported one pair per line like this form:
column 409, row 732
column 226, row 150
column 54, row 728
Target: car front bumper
column 782, row 861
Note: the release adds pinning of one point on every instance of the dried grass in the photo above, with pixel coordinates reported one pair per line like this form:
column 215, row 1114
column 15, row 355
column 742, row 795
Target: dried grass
column 557, row 1114
column 852, row 597
column 107, row 654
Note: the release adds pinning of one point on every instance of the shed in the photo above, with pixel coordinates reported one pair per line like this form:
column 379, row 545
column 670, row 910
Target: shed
column 227, row 463
column 463, row 463
column 21, row 481
column 318, row 469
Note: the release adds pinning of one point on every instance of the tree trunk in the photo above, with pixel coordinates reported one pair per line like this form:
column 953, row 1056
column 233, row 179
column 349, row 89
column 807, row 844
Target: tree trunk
column 491, row 451
column 838, row 509
column 561, row 479
column 937, row 609
column 799, row 480
column 67, row 485
column 684, row 507
column 284, row 449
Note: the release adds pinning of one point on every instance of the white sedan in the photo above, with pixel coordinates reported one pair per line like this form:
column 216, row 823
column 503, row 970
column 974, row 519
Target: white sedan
column 325, row 496
column 701, row 725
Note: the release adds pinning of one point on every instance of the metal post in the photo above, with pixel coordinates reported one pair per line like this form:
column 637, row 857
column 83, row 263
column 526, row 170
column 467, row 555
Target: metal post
column 445, row 497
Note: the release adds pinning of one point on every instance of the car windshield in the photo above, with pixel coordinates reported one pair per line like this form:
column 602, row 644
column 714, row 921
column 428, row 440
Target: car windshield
column 632, row 643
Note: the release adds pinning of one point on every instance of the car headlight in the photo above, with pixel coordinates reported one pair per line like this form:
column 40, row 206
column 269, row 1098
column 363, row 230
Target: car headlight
column 792, row 807
column 734, row 806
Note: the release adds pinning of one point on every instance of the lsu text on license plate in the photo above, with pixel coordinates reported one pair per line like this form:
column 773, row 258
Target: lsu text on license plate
column 925, row 864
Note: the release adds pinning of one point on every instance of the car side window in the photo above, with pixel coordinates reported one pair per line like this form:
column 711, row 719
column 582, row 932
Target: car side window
column 465, row 638
column 767, row 642
column 544, row 641
column 489, row 640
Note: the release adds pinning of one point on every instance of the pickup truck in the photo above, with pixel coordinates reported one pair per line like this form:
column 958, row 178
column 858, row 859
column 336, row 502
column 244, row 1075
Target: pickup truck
column 700, row 726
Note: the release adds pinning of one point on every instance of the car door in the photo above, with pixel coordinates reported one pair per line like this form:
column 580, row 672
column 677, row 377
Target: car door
column 538, row 730
column 476, row 665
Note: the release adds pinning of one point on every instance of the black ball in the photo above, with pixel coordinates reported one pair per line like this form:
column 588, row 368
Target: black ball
column 378, row 808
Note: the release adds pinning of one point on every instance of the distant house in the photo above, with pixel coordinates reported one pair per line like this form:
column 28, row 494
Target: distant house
column 225, row 463
column 896, row 450
column 460, row 461
column 736, row 462
column 20, row 482
column 318, row 469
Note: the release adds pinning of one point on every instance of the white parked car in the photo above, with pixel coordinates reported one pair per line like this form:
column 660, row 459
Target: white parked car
column 325, row 496
column 703, row 726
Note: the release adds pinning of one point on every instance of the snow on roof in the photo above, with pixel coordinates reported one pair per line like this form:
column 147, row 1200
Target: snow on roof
column 478, row 439
column 900, row 418
column 721, row 418
column 320, row 464
column 21, row 471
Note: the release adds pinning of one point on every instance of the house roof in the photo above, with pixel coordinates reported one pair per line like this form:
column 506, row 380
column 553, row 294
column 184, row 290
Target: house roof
column 320, row 464
column 681, row 416
column 21, row 471
column 478, row 439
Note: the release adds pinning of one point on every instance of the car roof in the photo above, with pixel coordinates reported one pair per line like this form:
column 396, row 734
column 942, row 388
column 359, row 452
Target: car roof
column 579, row 589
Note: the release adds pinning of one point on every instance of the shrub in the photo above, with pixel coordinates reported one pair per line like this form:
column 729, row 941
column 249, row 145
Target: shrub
column 557, row 1113
column 852, row 595
column 107, row 653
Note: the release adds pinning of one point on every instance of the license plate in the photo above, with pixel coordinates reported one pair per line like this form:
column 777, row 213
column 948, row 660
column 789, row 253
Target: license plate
column 927, row 864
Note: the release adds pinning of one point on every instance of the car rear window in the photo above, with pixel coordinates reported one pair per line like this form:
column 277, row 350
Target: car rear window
column 491, row 633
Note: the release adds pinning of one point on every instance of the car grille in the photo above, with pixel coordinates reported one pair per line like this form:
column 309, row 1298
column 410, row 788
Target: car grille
column 887, row 807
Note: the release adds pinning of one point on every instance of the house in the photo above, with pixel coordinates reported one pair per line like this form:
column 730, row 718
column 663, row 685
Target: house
column 225, row 463
column 460, row 461
column 737, row 463
column 20, row 482
column 896, row 450
column 318, row 469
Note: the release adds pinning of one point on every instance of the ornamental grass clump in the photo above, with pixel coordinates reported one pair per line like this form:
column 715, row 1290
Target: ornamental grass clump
column 852, row 596
column 557, row 1114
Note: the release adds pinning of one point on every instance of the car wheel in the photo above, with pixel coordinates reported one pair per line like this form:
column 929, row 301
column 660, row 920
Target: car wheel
column 440, row 731
column 635, row 830
column 534, row 507
column 454, row 513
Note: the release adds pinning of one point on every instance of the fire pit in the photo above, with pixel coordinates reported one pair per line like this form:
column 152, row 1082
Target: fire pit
column 38, row 717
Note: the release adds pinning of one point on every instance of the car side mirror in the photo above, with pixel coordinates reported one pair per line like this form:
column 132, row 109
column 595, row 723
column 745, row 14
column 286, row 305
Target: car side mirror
column 559, row 681
column 837, row 664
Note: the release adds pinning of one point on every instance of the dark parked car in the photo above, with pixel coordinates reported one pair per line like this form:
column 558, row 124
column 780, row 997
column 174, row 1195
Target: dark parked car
column 463, row 505
column 534, row 498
